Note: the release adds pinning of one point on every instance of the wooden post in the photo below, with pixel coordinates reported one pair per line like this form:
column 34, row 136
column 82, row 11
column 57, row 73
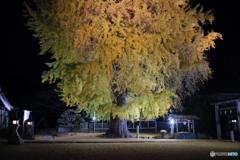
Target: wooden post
column 218, row 124
column 137, row 131
column 177, row 125
column 140, row 125
column 102, row 125
column 94, row 123
column 238, row 116
column 172, row 129
column 155, row 125
column 193, row 127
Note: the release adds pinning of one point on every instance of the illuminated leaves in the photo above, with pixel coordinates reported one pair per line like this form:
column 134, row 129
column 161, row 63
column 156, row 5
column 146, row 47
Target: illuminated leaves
column 153, row 49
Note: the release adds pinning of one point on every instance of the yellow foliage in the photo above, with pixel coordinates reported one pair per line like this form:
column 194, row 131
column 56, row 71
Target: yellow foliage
column 154, row 49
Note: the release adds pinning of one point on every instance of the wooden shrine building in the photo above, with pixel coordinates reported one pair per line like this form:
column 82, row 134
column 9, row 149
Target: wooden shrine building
column 184, row 125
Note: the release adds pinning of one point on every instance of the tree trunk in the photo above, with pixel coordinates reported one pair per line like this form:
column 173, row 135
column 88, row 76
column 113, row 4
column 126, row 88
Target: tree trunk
column 118, row 129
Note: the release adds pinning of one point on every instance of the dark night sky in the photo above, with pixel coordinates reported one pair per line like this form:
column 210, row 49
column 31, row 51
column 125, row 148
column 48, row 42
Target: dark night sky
column 21, row 66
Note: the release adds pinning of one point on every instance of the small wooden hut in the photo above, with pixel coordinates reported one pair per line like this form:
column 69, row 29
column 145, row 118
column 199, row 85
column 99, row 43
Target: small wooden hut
column 184, row 125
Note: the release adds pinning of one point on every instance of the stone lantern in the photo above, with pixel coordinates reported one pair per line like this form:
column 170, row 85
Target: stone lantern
column 15, row 138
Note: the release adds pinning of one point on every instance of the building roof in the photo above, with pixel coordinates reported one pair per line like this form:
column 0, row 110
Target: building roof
column 227, row 96
column 182, row 116
column 226, row 102
column 5, row 102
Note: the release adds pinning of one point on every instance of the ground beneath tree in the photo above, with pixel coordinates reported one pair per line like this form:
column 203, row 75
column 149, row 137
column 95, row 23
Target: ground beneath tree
column 83, row 136
column 113, row 149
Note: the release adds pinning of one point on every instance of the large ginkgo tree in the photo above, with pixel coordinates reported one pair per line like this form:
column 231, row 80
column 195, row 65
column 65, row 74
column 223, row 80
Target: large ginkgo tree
column 123, row 59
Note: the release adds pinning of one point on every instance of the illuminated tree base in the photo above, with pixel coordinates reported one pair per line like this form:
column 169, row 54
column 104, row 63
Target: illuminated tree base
column 118, row 129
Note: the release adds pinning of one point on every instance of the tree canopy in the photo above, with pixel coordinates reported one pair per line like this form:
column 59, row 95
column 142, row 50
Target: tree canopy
column 150, row 53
